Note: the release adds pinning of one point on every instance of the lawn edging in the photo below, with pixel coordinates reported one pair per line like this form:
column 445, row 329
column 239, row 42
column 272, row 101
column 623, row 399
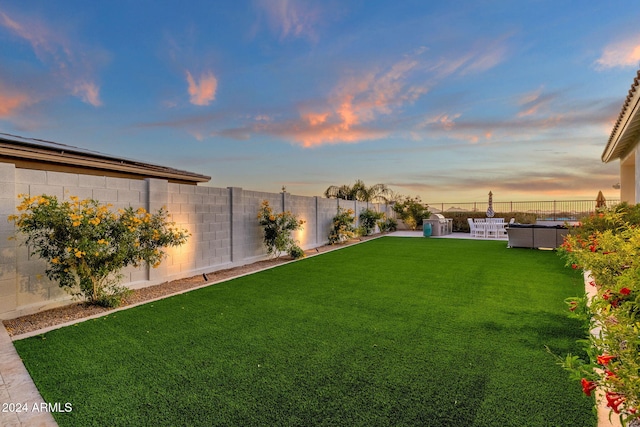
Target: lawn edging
column 309, row 254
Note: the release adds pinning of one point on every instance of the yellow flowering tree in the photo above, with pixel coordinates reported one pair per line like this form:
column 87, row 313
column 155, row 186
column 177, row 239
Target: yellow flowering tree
column 86, row 244
column 277, row 231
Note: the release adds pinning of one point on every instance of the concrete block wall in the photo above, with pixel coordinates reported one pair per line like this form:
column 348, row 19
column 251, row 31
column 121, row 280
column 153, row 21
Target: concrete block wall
column 305, row 208
column 222, row 223
column 327, row 209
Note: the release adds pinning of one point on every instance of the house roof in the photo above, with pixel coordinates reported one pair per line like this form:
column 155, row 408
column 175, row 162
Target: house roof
column 32, row 153
column 626, row 131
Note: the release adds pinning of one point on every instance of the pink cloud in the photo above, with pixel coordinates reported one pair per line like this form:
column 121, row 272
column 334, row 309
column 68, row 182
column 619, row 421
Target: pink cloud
column 316, row 119
column 56, row 51
column 623, row 53
column 309, row 135
column 11, row 102
column 530, row 102
column 203, row 91
column 352, row 105
column 89, row 92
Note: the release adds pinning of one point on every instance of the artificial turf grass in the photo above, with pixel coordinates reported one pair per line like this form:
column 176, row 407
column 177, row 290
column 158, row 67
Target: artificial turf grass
column 390, row 332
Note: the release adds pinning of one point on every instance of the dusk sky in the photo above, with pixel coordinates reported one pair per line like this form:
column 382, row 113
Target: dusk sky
column 445, row 100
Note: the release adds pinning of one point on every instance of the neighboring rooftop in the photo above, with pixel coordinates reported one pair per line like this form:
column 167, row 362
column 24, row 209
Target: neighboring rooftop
column 626, row 131
column 29, row 153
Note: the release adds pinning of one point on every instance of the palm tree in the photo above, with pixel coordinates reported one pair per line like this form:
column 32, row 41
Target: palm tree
column 359, row 191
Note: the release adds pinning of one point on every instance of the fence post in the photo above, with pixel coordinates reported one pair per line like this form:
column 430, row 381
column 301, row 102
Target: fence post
column 284, row 201
column 236, row 222
column 157, row 197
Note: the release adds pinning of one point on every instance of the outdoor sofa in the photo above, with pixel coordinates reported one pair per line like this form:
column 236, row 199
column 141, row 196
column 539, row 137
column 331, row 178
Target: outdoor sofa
column 536, row 236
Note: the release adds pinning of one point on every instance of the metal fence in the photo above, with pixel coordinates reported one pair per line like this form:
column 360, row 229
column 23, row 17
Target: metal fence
column 556, row 210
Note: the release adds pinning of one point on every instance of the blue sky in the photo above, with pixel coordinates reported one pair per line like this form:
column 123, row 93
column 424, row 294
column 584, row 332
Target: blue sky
column 445, row 100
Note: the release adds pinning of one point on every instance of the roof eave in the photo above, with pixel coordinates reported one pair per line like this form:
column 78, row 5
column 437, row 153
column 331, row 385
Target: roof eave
column 624, row 133
column 67, row 155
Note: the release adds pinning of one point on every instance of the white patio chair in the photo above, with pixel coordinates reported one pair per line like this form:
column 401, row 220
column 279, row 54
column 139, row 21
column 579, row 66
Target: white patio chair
column 502, row 231
column 491, row 231
column 473, row 228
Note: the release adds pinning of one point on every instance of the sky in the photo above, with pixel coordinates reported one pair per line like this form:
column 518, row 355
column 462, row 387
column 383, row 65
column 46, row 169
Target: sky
column 442, row 100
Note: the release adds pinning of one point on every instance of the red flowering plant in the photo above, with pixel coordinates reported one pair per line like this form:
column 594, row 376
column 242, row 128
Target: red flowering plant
column 609, row 252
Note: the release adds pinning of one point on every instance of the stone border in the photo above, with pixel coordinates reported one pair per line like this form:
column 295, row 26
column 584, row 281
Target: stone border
column 17, row 387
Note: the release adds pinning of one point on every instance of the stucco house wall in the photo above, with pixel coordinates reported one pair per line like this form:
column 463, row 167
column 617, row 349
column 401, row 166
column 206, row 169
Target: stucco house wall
column 623, row 144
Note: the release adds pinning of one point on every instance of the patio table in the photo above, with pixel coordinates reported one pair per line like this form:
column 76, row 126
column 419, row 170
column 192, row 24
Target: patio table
column 490, row 227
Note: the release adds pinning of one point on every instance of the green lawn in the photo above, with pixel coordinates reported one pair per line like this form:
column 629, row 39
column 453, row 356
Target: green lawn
column 391, row 332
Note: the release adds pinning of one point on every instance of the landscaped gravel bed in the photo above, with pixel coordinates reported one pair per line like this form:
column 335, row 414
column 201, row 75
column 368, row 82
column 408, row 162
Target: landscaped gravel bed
column 76, row 311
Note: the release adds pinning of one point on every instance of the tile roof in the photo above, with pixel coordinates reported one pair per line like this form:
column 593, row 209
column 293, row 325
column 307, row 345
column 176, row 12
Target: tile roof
column 624, row 132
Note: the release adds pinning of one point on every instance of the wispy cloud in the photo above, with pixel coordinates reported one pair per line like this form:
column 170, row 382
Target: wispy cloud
column 204, row 90
column 350, row 113
column 12, row 101
column 622, row 53
column 67, row 60
column 583, row 179
column 355, row 103
column 291, row 18
column 362, row 105
column 88, row 92
column 532, row 103
column 537, row 113
column 480, row 57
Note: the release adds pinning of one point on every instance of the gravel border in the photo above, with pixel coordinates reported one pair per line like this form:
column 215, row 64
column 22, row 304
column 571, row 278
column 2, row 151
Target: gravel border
column 80, row 310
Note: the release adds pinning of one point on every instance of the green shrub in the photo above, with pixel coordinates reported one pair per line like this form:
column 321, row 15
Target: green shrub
column 368, row 220
column 277, row 229
column 296, row 252
column 617, row 218
column 607, row 245
column 412, row 212
column 86, row 245
column 342, row 226
column 388, row 224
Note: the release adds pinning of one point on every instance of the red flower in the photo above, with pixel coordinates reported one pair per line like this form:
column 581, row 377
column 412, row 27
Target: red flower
column 588, row 386
column 573, row 305
column 604, row 359
column 592, row 283
column 625, row 291
column 574, row 266
column 614, row 400
column 609, row 374
column 606, row 295
column 592, row 248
